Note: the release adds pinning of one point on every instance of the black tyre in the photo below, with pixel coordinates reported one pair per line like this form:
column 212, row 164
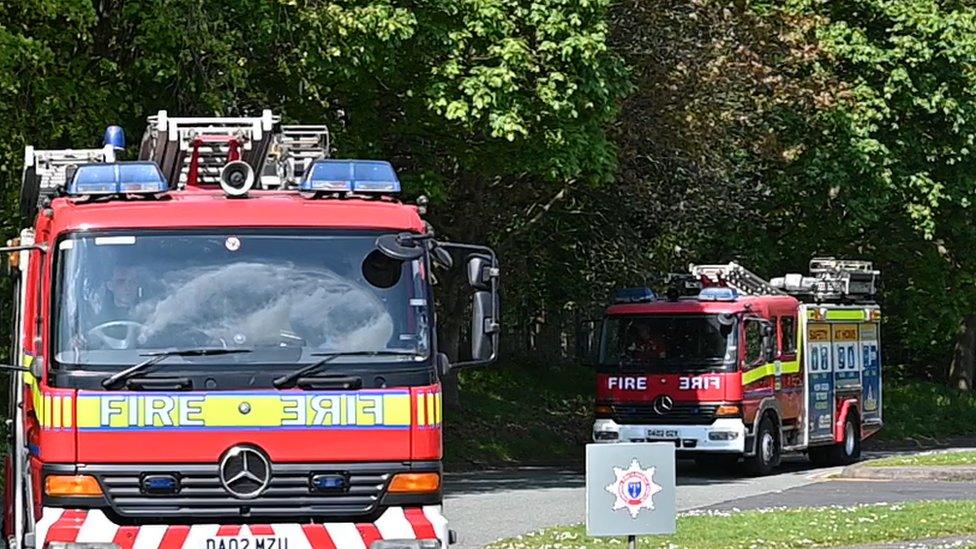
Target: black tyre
column 844, row 453
column 768, row 451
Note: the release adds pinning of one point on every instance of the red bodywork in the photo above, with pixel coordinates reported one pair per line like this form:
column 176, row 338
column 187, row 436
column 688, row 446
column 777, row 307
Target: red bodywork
column 717, row 387
column 60, row 441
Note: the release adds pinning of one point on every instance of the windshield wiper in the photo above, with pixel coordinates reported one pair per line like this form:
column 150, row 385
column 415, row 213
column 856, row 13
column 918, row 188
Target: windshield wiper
column 289, row 379
column 156, row 358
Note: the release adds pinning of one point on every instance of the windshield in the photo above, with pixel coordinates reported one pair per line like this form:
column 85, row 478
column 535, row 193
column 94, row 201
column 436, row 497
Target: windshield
column 284, row 296
column 669, row 342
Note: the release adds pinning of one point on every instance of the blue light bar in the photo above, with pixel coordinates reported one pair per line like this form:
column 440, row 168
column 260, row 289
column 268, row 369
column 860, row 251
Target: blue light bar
column 117, row 178
column 634, row 295
column 718, row 293
column 360, row 176
column 115, row 137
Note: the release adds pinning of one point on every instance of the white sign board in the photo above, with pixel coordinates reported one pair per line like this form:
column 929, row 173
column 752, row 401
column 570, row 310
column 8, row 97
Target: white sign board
column 630, row 489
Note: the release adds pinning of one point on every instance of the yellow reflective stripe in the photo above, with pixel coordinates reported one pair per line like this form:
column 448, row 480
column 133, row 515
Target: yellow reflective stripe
column 845, row 314
column 56, row 412
column 66, row 410
column 438, row 409
column 46, row 412
column 757, row 373
column 421, row 409
column 839, row 314
column 431, row 414
column 769, row 369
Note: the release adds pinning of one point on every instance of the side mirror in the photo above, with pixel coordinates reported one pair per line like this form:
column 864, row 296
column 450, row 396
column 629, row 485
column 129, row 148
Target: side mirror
column 586, row 341
column 479, row 272
column 37, row 368
column 484, row 327
column 767, row 342
column 483, row 275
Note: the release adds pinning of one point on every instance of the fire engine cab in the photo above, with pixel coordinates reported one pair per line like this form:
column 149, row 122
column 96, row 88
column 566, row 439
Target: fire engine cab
column 229, row 342
column 729, row 366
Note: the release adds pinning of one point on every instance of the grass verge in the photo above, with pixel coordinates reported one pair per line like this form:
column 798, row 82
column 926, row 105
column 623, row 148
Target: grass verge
column 926, row 410
column 524, row 415
column 827, row 527
column 940, row 460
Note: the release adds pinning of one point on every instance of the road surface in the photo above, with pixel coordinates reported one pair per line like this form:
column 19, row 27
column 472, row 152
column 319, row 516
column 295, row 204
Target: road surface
column 485, row 506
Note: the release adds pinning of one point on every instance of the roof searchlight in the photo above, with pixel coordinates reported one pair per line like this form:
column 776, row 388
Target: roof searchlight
column 236, row 178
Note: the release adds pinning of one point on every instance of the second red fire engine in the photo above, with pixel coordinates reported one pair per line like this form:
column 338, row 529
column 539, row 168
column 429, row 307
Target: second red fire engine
column 729, row 366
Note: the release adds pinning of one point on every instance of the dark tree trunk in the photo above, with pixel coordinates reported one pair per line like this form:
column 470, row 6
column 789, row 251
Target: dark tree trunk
column 962, row 371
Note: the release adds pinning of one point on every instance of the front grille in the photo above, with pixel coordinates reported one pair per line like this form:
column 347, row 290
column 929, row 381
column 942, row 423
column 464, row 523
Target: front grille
column 680, row 414
column 202, row 494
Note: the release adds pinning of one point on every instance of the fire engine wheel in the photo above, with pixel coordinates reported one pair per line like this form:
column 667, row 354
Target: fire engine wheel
column 768, row 450
column 843, row 453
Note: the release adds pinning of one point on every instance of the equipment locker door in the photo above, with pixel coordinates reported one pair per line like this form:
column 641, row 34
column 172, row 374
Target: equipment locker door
column 820, row 382
column 847, row 358
column 871, row 373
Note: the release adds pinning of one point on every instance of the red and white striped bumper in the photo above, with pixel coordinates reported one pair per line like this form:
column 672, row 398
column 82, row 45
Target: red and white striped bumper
column 92, row 526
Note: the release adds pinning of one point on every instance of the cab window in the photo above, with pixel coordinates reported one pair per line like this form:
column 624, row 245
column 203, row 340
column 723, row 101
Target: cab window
column 754, row 343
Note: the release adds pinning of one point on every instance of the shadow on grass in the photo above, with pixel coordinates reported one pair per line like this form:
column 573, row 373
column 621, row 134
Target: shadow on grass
column 523, row 414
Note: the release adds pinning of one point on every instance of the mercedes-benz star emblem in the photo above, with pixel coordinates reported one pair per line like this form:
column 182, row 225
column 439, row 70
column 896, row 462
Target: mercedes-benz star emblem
column 663, row 404
column 245, row 472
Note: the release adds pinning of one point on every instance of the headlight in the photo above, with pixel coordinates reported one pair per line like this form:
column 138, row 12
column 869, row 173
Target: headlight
column 605, row 435
column 723, row 435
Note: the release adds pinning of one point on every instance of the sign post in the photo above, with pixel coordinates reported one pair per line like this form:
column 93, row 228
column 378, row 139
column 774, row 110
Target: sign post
column 630, row 490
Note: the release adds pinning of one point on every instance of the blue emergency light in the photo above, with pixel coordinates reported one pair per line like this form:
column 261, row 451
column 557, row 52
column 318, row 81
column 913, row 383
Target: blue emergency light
column 718, row 293
column 634, row 295
column 115, row 137
column 359, row 176
column 117, row 178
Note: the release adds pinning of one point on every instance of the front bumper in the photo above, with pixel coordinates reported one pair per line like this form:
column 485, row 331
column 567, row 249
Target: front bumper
column 80, row 528
column 721, row 436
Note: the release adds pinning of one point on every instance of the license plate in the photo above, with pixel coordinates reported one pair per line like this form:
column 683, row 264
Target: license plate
column 247, row 542
column 662, row 433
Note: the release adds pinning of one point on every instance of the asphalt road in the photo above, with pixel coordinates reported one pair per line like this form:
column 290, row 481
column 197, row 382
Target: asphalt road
column 486, row 506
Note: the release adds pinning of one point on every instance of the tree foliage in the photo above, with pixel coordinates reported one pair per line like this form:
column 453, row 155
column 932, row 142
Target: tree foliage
column 595, row 144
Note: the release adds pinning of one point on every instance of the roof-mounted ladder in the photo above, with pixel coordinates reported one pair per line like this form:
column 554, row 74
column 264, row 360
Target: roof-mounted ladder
column 292, row 152
column 833, row 280
column 46, row 170
column 735, row 276
column 170, row 142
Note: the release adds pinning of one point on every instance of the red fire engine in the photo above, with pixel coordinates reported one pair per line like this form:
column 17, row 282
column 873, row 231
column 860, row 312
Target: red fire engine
column 730, row 366
column 228, row 344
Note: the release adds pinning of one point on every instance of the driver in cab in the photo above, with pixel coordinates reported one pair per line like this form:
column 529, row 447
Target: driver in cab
column 644, row 344
column 113, row 325
column 123, row 292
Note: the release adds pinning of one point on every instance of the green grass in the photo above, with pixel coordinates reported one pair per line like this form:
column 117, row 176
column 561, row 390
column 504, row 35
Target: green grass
column 826, row 527
column 940, row 459
column 925, row 410
column 529, row 414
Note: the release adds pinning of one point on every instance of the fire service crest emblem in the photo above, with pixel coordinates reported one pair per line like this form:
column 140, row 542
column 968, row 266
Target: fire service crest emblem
column 633, row 488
